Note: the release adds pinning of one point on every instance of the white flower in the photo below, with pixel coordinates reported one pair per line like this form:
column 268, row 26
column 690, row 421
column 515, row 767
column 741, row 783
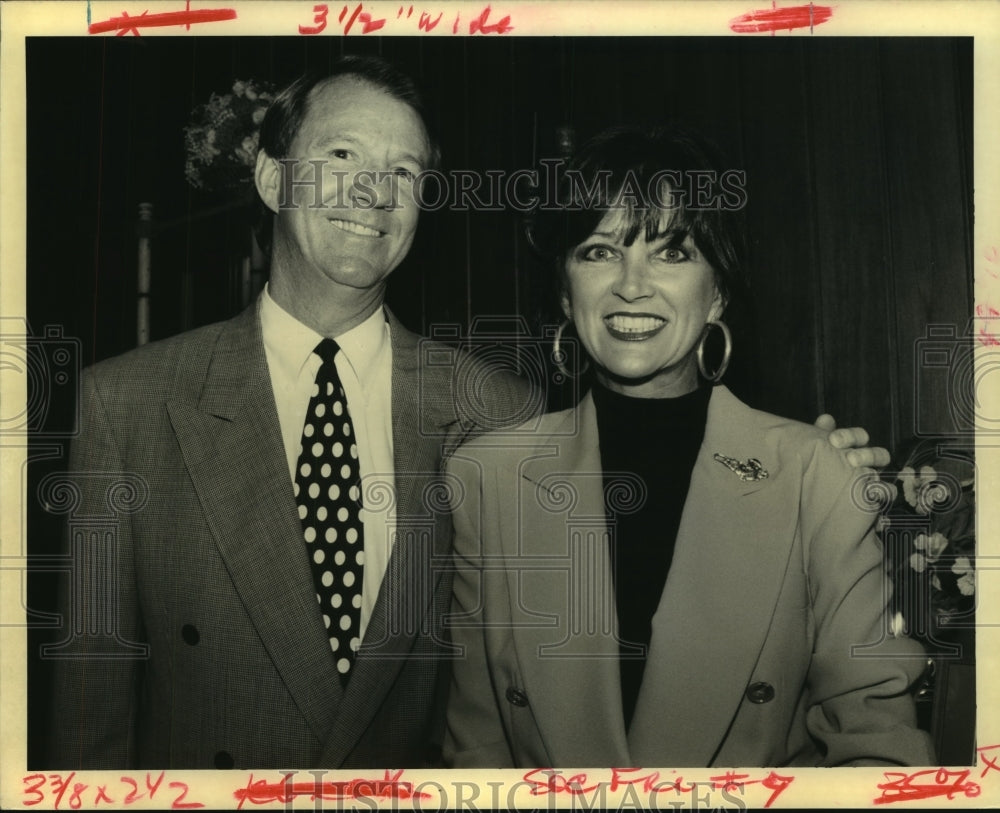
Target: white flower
column 239, row 88
column 918, row 562
column 914, row 484
column 258, row 115
column 247, row 151
column 932, row 545
column 962, row 565
column 967, row 575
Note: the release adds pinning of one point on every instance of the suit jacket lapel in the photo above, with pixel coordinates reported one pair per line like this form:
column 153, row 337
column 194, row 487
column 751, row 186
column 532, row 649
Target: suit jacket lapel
column 730, row 558
column 231, row 443
column 424, row 535
column 422, row 411
column 561, row 599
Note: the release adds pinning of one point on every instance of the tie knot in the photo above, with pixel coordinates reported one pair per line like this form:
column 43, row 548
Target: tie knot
column 327, row 350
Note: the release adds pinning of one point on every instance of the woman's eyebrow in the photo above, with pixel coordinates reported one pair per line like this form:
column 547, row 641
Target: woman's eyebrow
column 608, row 236
column 673, row 234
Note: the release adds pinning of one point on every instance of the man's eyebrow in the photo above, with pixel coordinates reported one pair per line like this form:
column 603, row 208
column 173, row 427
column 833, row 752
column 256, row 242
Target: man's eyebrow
column 416, row 159
column 348, row 138
column 336, row 137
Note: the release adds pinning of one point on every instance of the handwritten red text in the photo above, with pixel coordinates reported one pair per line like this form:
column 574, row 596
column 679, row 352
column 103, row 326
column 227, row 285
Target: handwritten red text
column 262, row 792
column 545, row 781
column 126, row 24
column 927, row 784
column 781, row 19
column 356, row 19
column 63, row 790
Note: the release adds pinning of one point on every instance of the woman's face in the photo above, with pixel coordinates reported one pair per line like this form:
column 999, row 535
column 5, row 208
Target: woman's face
column 640, row 309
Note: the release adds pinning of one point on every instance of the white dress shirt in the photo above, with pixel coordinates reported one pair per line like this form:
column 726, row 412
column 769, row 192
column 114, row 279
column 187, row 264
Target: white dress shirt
column 365, row 369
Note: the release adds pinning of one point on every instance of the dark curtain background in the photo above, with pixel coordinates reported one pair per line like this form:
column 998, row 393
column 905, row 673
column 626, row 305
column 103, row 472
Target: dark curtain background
column 858, row 154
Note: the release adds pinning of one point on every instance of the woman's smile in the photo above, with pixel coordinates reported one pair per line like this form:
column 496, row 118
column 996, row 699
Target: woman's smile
column 634, row 327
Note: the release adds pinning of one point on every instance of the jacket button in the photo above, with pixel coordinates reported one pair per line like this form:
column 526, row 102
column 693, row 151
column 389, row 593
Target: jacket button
column 224, row 760
column 517, row 697
column 760, row 692
column 190, row 634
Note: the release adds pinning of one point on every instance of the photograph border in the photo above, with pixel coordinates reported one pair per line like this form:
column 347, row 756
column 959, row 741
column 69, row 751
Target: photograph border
column 622, row 787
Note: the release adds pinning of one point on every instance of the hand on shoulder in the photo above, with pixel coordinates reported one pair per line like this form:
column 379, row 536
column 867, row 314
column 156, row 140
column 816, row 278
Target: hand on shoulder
column 853, row 441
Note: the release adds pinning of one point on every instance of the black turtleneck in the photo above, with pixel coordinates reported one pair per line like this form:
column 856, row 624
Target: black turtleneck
column 656, row 439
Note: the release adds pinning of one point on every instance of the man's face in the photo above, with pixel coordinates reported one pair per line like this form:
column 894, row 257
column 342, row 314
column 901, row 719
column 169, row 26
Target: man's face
column 363, row 148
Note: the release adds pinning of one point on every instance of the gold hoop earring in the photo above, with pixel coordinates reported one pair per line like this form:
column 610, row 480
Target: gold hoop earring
column 700, row 351
column 559, row 355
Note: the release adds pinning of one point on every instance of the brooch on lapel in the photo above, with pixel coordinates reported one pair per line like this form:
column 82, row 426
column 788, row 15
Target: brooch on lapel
column 751, row 471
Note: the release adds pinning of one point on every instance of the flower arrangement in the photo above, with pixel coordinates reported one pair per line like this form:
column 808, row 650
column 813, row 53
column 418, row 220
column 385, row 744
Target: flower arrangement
column 222, row 138
column 929, row 532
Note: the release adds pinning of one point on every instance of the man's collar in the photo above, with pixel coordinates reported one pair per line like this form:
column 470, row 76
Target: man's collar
column 291, row 342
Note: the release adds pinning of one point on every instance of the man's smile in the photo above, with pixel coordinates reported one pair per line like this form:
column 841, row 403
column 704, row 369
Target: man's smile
column 356, row 228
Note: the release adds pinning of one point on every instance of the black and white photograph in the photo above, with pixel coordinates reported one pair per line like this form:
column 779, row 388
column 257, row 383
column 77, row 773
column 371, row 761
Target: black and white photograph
column 596, row 402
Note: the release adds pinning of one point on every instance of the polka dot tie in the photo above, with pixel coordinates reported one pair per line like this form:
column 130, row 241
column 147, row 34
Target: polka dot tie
column 328, row 495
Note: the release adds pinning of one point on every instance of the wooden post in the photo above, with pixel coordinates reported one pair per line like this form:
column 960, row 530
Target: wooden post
column 144, row 273
column 246, row 282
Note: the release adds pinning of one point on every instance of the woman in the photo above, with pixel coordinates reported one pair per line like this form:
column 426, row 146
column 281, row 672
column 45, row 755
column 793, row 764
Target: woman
column 662, row 575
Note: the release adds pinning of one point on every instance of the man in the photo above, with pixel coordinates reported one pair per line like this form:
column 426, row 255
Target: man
column 214, row 572
column 279, row 577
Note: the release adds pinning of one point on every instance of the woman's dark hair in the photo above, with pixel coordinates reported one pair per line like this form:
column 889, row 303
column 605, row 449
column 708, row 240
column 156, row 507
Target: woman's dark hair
column 289, row 108
column 644, row 171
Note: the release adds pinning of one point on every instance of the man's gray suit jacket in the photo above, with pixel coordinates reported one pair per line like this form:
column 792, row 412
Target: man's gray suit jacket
column 193, row 635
